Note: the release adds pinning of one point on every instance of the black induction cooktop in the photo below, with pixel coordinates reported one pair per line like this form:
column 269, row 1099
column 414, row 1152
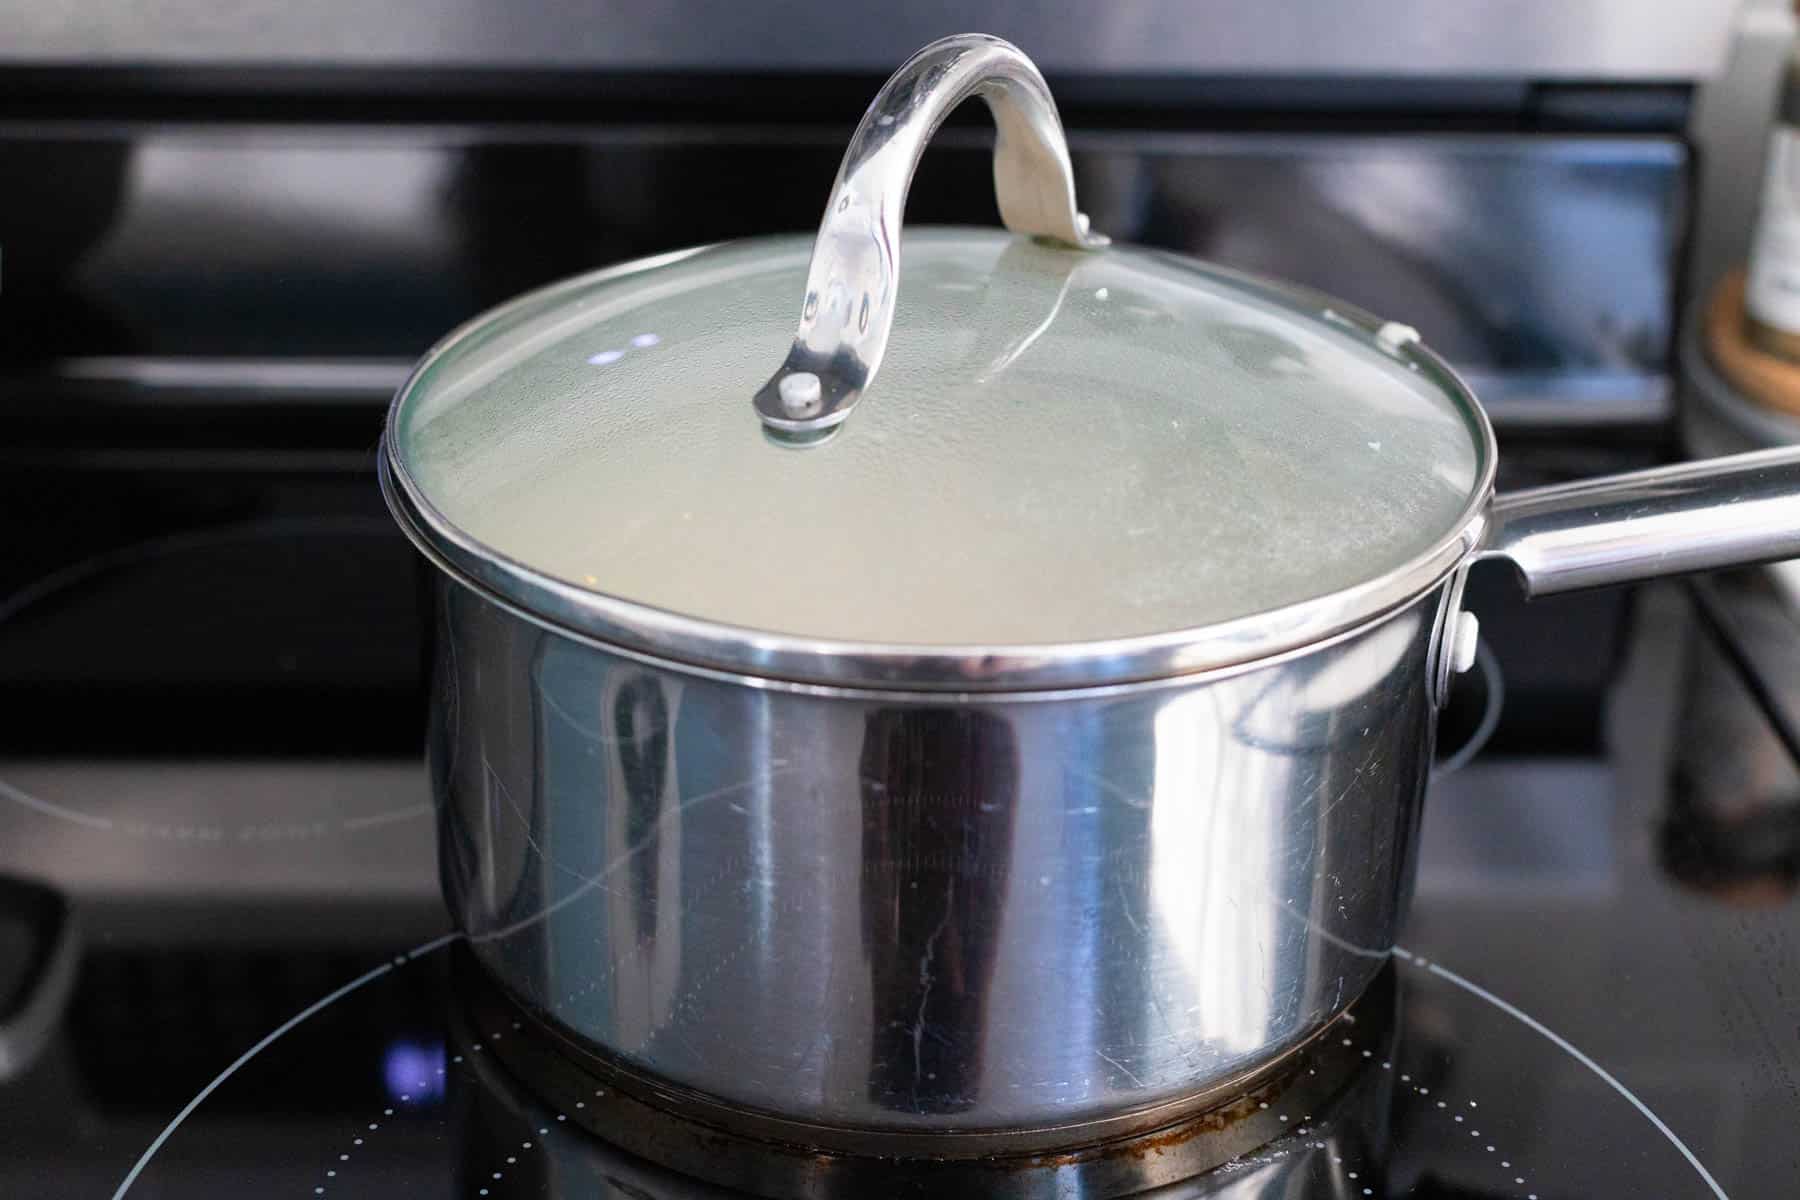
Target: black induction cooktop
column 225, row 969
column 232, row 976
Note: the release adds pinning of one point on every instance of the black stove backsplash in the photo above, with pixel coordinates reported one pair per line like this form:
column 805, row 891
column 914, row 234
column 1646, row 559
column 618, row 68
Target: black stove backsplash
column 358, row 242
column 201, row 324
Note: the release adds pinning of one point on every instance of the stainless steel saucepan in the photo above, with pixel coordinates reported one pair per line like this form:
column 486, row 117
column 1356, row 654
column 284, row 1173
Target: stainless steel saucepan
column 1009, row 720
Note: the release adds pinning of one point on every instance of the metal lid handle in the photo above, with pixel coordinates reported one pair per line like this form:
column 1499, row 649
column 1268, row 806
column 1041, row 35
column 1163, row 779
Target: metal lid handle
column 855, row 272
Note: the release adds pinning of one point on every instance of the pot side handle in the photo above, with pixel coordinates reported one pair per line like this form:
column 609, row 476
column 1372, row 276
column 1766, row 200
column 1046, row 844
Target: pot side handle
column 854, row 275
column 1695, row 516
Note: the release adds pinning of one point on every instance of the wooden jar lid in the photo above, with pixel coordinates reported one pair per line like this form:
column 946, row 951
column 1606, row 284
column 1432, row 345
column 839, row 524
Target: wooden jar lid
column 1765, row 378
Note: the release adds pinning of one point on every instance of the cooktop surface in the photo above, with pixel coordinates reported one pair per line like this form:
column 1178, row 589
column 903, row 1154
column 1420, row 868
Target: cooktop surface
column 232, row 976
column 225, row 968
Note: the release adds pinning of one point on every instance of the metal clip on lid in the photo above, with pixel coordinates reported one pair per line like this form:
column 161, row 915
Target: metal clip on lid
column 855, row 272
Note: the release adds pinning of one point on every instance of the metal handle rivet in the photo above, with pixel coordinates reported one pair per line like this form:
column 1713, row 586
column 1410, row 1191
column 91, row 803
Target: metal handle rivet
column 800, row 393
column 1394, row 335
column 1464, row 641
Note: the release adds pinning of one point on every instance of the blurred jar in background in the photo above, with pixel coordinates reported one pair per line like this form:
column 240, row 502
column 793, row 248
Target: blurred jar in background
column 1772, row 297
column 1732, row 829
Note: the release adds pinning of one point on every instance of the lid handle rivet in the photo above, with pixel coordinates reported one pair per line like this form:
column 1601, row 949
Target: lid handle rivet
column 800, row 393
column 1393, row 336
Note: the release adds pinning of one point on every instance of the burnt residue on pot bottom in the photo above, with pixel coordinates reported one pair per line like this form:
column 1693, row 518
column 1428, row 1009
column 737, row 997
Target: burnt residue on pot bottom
column 1317, row 1092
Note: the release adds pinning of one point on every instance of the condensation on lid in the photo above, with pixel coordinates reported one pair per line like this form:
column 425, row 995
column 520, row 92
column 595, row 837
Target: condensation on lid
column 1060, row 447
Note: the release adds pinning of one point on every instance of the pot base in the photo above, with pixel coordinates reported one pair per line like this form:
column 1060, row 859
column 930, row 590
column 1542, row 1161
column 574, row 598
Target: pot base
column 772, row 1156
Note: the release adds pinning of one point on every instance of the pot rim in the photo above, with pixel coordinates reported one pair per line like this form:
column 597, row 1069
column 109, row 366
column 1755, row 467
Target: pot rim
column 628, row 625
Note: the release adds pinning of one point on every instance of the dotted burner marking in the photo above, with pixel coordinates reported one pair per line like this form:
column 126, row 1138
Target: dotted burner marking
column 211, row 833
column 1442, row 1107
column 1518, row 1177
column 356, row 1143
column 1570, row 1049
column 497, row 1176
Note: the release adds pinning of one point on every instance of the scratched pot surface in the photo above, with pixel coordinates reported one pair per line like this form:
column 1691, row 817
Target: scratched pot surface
column 1609, row 1030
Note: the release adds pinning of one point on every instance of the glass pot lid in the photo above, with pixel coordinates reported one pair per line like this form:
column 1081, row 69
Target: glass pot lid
column 1046, row 461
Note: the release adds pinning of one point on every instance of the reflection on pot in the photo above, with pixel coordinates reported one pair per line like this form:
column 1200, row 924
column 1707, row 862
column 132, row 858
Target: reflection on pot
column 939, row 792
column 1340, row 695
column 645, row 932
column 908, row 916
